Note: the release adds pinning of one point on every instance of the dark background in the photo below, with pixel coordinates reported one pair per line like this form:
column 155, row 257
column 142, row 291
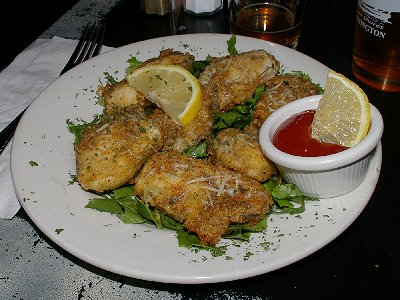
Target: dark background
column 23, row 21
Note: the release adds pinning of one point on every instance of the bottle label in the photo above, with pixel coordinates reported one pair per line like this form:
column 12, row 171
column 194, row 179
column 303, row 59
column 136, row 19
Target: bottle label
column 374, row 15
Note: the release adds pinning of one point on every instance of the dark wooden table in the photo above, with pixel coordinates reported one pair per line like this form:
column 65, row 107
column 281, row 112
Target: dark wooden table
column 361, row 263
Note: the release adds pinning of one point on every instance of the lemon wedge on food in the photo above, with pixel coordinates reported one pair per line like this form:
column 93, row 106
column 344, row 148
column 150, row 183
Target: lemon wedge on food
column 343, row 115
column 172, row 88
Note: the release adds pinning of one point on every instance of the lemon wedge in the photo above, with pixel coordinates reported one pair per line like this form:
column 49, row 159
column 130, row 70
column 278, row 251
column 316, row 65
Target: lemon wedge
column 343, row 115
column 172, row 88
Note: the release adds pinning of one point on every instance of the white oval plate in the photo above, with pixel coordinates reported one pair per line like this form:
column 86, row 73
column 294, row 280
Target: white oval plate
column 142, row 251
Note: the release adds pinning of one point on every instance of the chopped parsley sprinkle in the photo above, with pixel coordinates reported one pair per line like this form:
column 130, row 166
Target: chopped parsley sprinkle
column 58, row 230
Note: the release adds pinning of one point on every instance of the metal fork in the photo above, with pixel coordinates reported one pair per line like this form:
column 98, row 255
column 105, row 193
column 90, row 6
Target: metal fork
column 89, row 45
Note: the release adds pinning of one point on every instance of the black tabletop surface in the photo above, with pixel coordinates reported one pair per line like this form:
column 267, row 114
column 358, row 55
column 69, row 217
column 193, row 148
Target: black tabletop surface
column 362, row 262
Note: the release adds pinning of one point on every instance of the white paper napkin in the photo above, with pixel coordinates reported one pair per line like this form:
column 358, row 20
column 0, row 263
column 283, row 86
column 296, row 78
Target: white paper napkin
column 20, row 83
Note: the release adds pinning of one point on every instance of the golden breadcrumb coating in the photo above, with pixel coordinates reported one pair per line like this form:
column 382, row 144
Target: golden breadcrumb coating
column 281, row 90
column 229, row 80
column 109, row 154
column 238, row 151
column 204, row 197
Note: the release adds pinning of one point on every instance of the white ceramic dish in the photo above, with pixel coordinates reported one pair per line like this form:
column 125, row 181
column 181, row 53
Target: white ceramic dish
column 322, row 176
column 141, row 251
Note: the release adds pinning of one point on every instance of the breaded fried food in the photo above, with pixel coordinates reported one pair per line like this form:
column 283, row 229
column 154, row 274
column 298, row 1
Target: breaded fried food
column 238, row 151
column 120, row 95
column 281, row 90
column 203, row 197
column 111, row 152
column 183, row 137
column 171, row 57
column 229, row 80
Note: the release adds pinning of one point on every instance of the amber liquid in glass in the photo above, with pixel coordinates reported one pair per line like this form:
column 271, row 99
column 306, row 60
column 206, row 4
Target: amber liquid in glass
column 376, row 53
column 269, row 22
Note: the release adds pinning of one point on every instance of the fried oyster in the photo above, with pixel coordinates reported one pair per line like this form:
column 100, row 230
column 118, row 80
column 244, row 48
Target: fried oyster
column 229, row 80
column 203, row 197
column 238, row 151
column 110, row 153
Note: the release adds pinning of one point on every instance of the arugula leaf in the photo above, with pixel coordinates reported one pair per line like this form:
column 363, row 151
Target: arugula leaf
column 150, row 215
column 198, row 66
column 197, row 151
column 287, row 197
column 130, row 214
column 232, row 45
column 105, row 205
column 130, row 217
column 186, row 239
column 190, row 241
column 240, row 116
column 243, row 231
column 237, row 233
column 121, row 202
column 133, row 63
column 170, row 223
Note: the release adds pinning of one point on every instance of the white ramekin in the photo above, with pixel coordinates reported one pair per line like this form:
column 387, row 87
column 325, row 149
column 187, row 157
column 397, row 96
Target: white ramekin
column 322, row 176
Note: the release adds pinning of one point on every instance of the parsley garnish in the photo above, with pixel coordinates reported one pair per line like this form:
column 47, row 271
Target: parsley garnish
column 110, row 78
column 58, row 230
column 77, row 129
column 133, row 63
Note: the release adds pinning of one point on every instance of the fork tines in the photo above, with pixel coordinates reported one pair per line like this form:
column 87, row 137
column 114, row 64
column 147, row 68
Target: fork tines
column 89, row 45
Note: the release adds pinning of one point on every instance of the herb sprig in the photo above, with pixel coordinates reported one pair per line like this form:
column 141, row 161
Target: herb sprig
column 240, row 116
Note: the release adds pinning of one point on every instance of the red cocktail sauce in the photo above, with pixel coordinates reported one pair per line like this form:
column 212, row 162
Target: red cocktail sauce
column 294, row 137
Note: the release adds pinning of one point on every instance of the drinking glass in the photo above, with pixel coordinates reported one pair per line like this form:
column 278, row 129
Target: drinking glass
column 376, row 50
column 278, row 21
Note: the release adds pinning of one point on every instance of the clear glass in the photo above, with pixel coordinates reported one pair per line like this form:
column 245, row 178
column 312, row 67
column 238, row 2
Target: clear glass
column 278, row 21
column 376, row 50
